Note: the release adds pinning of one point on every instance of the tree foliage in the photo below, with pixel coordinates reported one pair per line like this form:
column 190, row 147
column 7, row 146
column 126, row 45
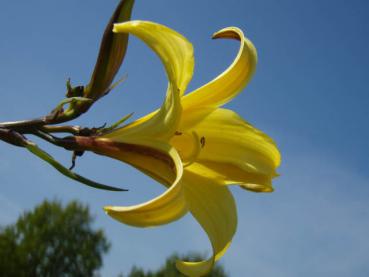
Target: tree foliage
column 169, row 268
column 52, row 240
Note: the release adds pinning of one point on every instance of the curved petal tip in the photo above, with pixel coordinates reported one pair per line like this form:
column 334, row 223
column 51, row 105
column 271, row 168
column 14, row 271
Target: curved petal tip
column 229, row 32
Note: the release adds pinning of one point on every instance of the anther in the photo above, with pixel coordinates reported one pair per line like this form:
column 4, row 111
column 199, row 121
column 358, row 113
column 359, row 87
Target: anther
column 202, row 142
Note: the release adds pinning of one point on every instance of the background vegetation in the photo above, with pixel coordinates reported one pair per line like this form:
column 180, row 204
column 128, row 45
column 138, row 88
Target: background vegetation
column 55, row 240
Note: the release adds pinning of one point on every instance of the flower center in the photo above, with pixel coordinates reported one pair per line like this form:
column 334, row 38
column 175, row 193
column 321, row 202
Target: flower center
column 188, row 145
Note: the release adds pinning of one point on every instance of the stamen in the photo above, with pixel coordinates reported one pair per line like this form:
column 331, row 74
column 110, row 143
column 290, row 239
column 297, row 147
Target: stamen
column 202, row 141
column 198, row 144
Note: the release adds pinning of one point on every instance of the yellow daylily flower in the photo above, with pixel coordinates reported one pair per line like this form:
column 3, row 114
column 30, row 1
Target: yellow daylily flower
column 191, row 145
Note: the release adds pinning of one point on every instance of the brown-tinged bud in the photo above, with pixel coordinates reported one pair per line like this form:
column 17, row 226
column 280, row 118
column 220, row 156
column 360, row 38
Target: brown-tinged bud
column 112, row 51
column 111, row 54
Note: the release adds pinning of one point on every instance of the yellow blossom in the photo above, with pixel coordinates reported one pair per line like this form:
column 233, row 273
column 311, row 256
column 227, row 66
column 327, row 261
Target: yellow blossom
column 191, row 145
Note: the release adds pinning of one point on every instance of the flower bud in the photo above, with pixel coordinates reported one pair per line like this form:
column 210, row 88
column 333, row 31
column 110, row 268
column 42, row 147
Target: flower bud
column 112, row 51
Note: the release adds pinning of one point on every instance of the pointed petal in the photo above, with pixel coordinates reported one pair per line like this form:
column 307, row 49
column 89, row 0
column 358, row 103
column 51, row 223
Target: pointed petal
column 230, row 174
column 228, row 84
column 214, row 208
column 176, row 53
column 169, row 206
column 158, row 160
column 231, row 146
column 173, row 49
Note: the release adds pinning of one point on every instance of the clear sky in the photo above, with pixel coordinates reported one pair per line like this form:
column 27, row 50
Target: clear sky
column 310, row 93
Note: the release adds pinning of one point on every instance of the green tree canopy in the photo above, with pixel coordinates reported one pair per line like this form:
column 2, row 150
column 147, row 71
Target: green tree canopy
column 52, row 240
column 169, row 269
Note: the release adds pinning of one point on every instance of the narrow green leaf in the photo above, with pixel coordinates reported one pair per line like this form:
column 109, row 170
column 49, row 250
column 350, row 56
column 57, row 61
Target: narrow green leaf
column 116, row 124
column 33, row 148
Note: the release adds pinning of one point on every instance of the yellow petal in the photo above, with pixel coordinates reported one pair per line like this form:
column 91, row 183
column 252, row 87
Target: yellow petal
column 165, row 208
column 176, row 53
column 158, row 160
column 214, row 208
column 228, row 139
column 229, row 174
column 228, row 84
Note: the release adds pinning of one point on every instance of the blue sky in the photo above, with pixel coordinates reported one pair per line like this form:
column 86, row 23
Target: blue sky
column 309, row 93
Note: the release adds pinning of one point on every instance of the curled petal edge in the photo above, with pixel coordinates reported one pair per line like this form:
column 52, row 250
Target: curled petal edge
column 228, row 84
column 213, row 206
column 169, row 206
column 176, row 54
